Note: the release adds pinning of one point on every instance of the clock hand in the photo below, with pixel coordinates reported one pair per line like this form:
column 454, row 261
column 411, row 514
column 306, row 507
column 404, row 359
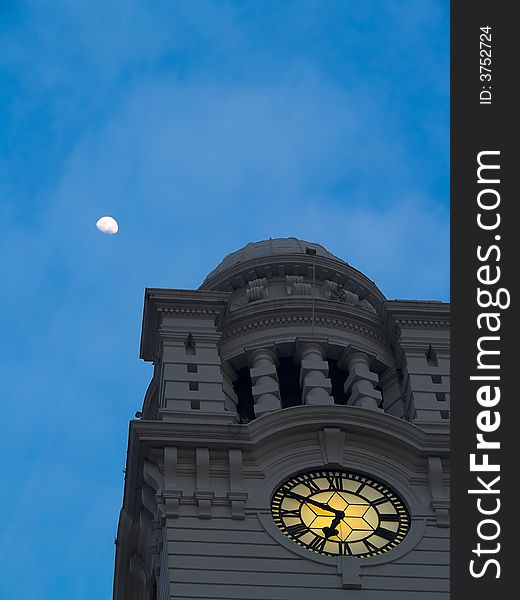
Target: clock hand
column 316, row 503
column 330, row 531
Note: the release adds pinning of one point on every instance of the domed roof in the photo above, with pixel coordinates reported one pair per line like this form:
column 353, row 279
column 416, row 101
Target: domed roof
column 270, row 247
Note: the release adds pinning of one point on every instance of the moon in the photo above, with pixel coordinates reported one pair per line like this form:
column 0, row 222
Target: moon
column 107, row 225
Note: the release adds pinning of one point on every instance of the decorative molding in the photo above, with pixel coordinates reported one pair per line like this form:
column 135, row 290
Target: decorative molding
column 440, row 502
column 419, row 346
column 294, row 264
column 256, row 289
column 180, row 310
column 366, row 305
column 431, row 438
column 238, row 502
column 204, row 500
column 167, row 494
column 349, row 567
column 162, row 302
column 271, row 322
column 423, row 323
column 236, row 480
column 171, row 500
column 202, row 463
column 148, row 499
column 336, row 292
column 296, row 286
column 170, row 455
column 332, row 442
column 153, row 476
column 203, row 494
column 415, row 314
column 237, row 495
column 328, row 288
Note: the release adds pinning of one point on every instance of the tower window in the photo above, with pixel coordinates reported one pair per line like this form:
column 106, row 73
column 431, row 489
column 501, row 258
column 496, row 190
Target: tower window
column 289, row 382
column 243, row 389
column 337, row 378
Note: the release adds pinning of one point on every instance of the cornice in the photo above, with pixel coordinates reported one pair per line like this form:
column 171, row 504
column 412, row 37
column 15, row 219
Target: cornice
column 414, row 314
column 276, row 426
column 421, row 323
column 418, row 311
column 159, row 302
column 371, row 424
column 295, row 312
column 299, row 320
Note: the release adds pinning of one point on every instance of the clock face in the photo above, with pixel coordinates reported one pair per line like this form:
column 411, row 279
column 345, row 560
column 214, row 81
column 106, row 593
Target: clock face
column 338, row 512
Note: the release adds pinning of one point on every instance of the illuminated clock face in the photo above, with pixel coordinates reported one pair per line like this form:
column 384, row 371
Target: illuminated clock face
column 338, row 512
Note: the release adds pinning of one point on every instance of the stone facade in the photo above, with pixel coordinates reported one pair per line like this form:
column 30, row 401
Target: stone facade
column 285, row 359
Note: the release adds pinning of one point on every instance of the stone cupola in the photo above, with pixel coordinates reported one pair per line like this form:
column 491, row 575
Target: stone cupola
column 283, row 322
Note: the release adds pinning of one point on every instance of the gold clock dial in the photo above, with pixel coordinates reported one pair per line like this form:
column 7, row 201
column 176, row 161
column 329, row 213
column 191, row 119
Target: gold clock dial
column 339, row 512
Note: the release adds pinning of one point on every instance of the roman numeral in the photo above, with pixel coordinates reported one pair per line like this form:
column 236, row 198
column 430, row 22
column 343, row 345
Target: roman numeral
column 289, row 513
column 393, row 518
column 367, row 548
column 344, row 548
column 371, row 546
column 297, row 530
column 385, row 533
column 358, row 491
column 335, row 480
column 311, row 484
column 318, row 544
column 380, row 501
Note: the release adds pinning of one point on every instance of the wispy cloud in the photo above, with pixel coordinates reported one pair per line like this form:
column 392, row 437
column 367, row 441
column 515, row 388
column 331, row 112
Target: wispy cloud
column 200, row 126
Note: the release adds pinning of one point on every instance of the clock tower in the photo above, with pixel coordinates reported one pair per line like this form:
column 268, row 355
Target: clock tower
column 293, row 441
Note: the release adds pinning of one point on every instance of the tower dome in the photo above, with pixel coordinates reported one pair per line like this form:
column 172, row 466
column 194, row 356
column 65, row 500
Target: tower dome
column 273, row 247
column 276, row 268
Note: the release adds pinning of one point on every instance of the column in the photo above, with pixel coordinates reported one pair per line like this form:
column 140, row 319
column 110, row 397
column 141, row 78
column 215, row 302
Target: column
column 360, row 383
column 264, row 378
column 316, row 386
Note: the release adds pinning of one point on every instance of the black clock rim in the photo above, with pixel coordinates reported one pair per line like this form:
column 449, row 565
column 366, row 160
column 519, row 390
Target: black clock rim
column 375, row 479
column 405, row 524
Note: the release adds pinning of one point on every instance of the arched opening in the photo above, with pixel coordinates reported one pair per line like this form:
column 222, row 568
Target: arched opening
column 337, row 378
column 289, row 382
column 243, row 389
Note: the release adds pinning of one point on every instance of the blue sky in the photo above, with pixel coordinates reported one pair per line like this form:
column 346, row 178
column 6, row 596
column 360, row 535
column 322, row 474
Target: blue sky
column 200, row 126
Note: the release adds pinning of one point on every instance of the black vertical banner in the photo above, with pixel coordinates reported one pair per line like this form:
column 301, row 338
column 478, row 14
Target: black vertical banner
column 485, row 251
